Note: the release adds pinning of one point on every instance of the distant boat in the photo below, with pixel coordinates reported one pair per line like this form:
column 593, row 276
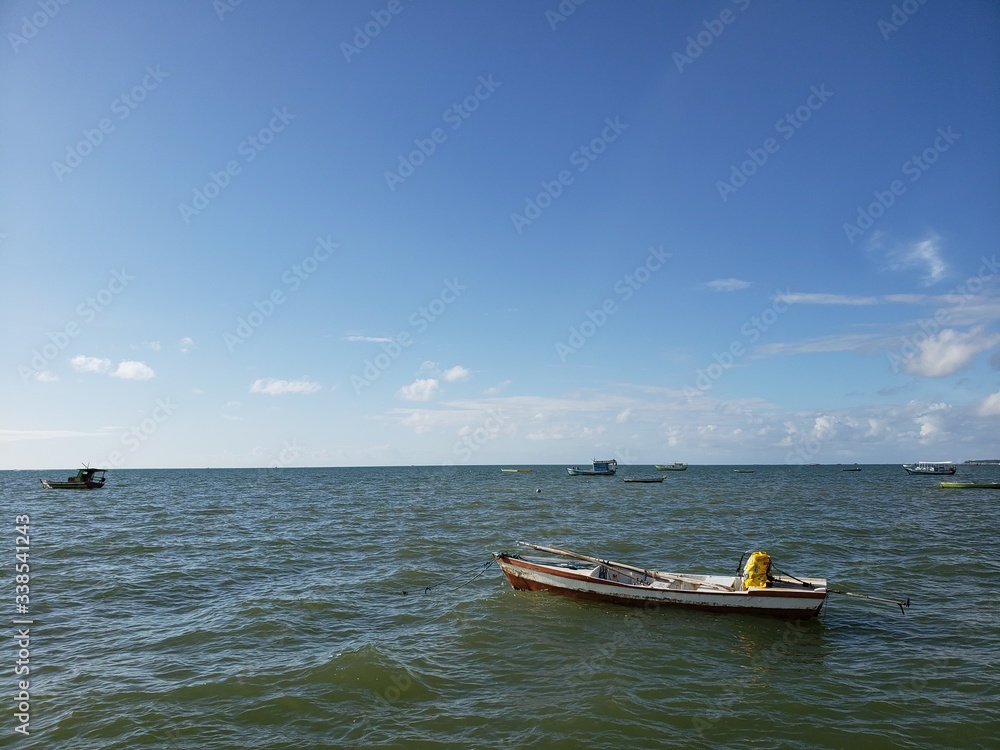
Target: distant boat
column 971, row 485
column 675, row 466
column 514, row 471
column 85, row 479
column 644, row 480
column 756, row 589
column 743, row 471
column 852, row 468
column 597, row 469
column 930, row 467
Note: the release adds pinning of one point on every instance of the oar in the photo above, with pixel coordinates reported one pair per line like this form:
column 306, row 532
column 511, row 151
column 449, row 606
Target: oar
column 598, row 561
column 898, row 602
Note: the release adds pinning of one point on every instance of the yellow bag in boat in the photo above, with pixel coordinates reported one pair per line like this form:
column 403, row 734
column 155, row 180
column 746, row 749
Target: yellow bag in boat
column 755, row 572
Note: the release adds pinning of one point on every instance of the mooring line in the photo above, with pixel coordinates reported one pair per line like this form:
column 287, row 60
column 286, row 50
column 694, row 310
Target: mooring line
column 483, row 569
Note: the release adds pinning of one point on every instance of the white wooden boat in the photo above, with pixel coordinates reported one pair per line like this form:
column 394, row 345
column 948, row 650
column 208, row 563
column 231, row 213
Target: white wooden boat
column 755, row 590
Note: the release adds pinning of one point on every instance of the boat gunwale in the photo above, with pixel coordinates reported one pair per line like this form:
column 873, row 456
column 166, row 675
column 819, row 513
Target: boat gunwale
column 818, row 586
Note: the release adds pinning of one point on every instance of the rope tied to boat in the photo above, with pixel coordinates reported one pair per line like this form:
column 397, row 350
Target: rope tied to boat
column 898, row 602
column 482, row 568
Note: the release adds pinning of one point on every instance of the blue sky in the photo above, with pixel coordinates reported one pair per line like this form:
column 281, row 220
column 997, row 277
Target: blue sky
column 327, row 234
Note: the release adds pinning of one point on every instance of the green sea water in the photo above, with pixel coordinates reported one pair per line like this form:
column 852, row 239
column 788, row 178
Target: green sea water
column 266, row 609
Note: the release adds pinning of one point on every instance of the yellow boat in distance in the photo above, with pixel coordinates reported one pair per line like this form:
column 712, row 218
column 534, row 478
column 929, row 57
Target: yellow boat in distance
column 675, row 466
column 971, row 485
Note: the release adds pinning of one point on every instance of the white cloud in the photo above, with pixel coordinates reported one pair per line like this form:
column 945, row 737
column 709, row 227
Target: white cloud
column 990, row 406
column 727, row 285
column 927, row 254
column 824, row 427
column 46, row 377
column 802, row 298
column 154, row 345
column 948, row 351
column 623, row 416
column 82, row 363
column 840, row 342
column 419, row 390
column 131, row 370
column 456, row 373
column 420, row 422
column 924, row 255
column 494, row 390
column 16, row 436
column 185, row 344
column 565, row 432
column 275, row 387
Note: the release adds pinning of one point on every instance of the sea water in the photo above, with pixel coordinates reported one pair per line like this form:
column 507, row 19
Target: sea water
column 358, row 607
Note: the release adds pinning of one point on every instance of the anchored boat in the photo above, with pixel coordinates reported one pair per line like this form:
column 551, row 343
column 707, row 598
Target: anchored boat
column 597, row 469
column 675, row 466
column 930, row 467
column 85, row 479
column 753, row 590
column 971, row 485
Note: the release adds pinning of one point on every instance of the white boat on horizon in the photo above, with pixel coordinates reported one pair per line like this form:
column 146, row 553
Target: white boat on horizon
column 933, row 468
column 597, row 469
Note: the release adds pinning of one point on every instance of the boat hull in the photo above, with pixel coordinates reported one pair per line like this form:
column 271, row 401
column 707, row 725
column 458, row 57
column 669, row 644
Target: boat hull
column 91, row 485
column 670, row 467
column 971, row 485
column 708, row 593
column 930, row 469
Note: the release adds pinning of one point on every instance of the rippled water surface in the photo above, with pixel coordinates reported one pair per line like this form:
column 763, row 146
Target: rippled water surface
column 266, row 609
